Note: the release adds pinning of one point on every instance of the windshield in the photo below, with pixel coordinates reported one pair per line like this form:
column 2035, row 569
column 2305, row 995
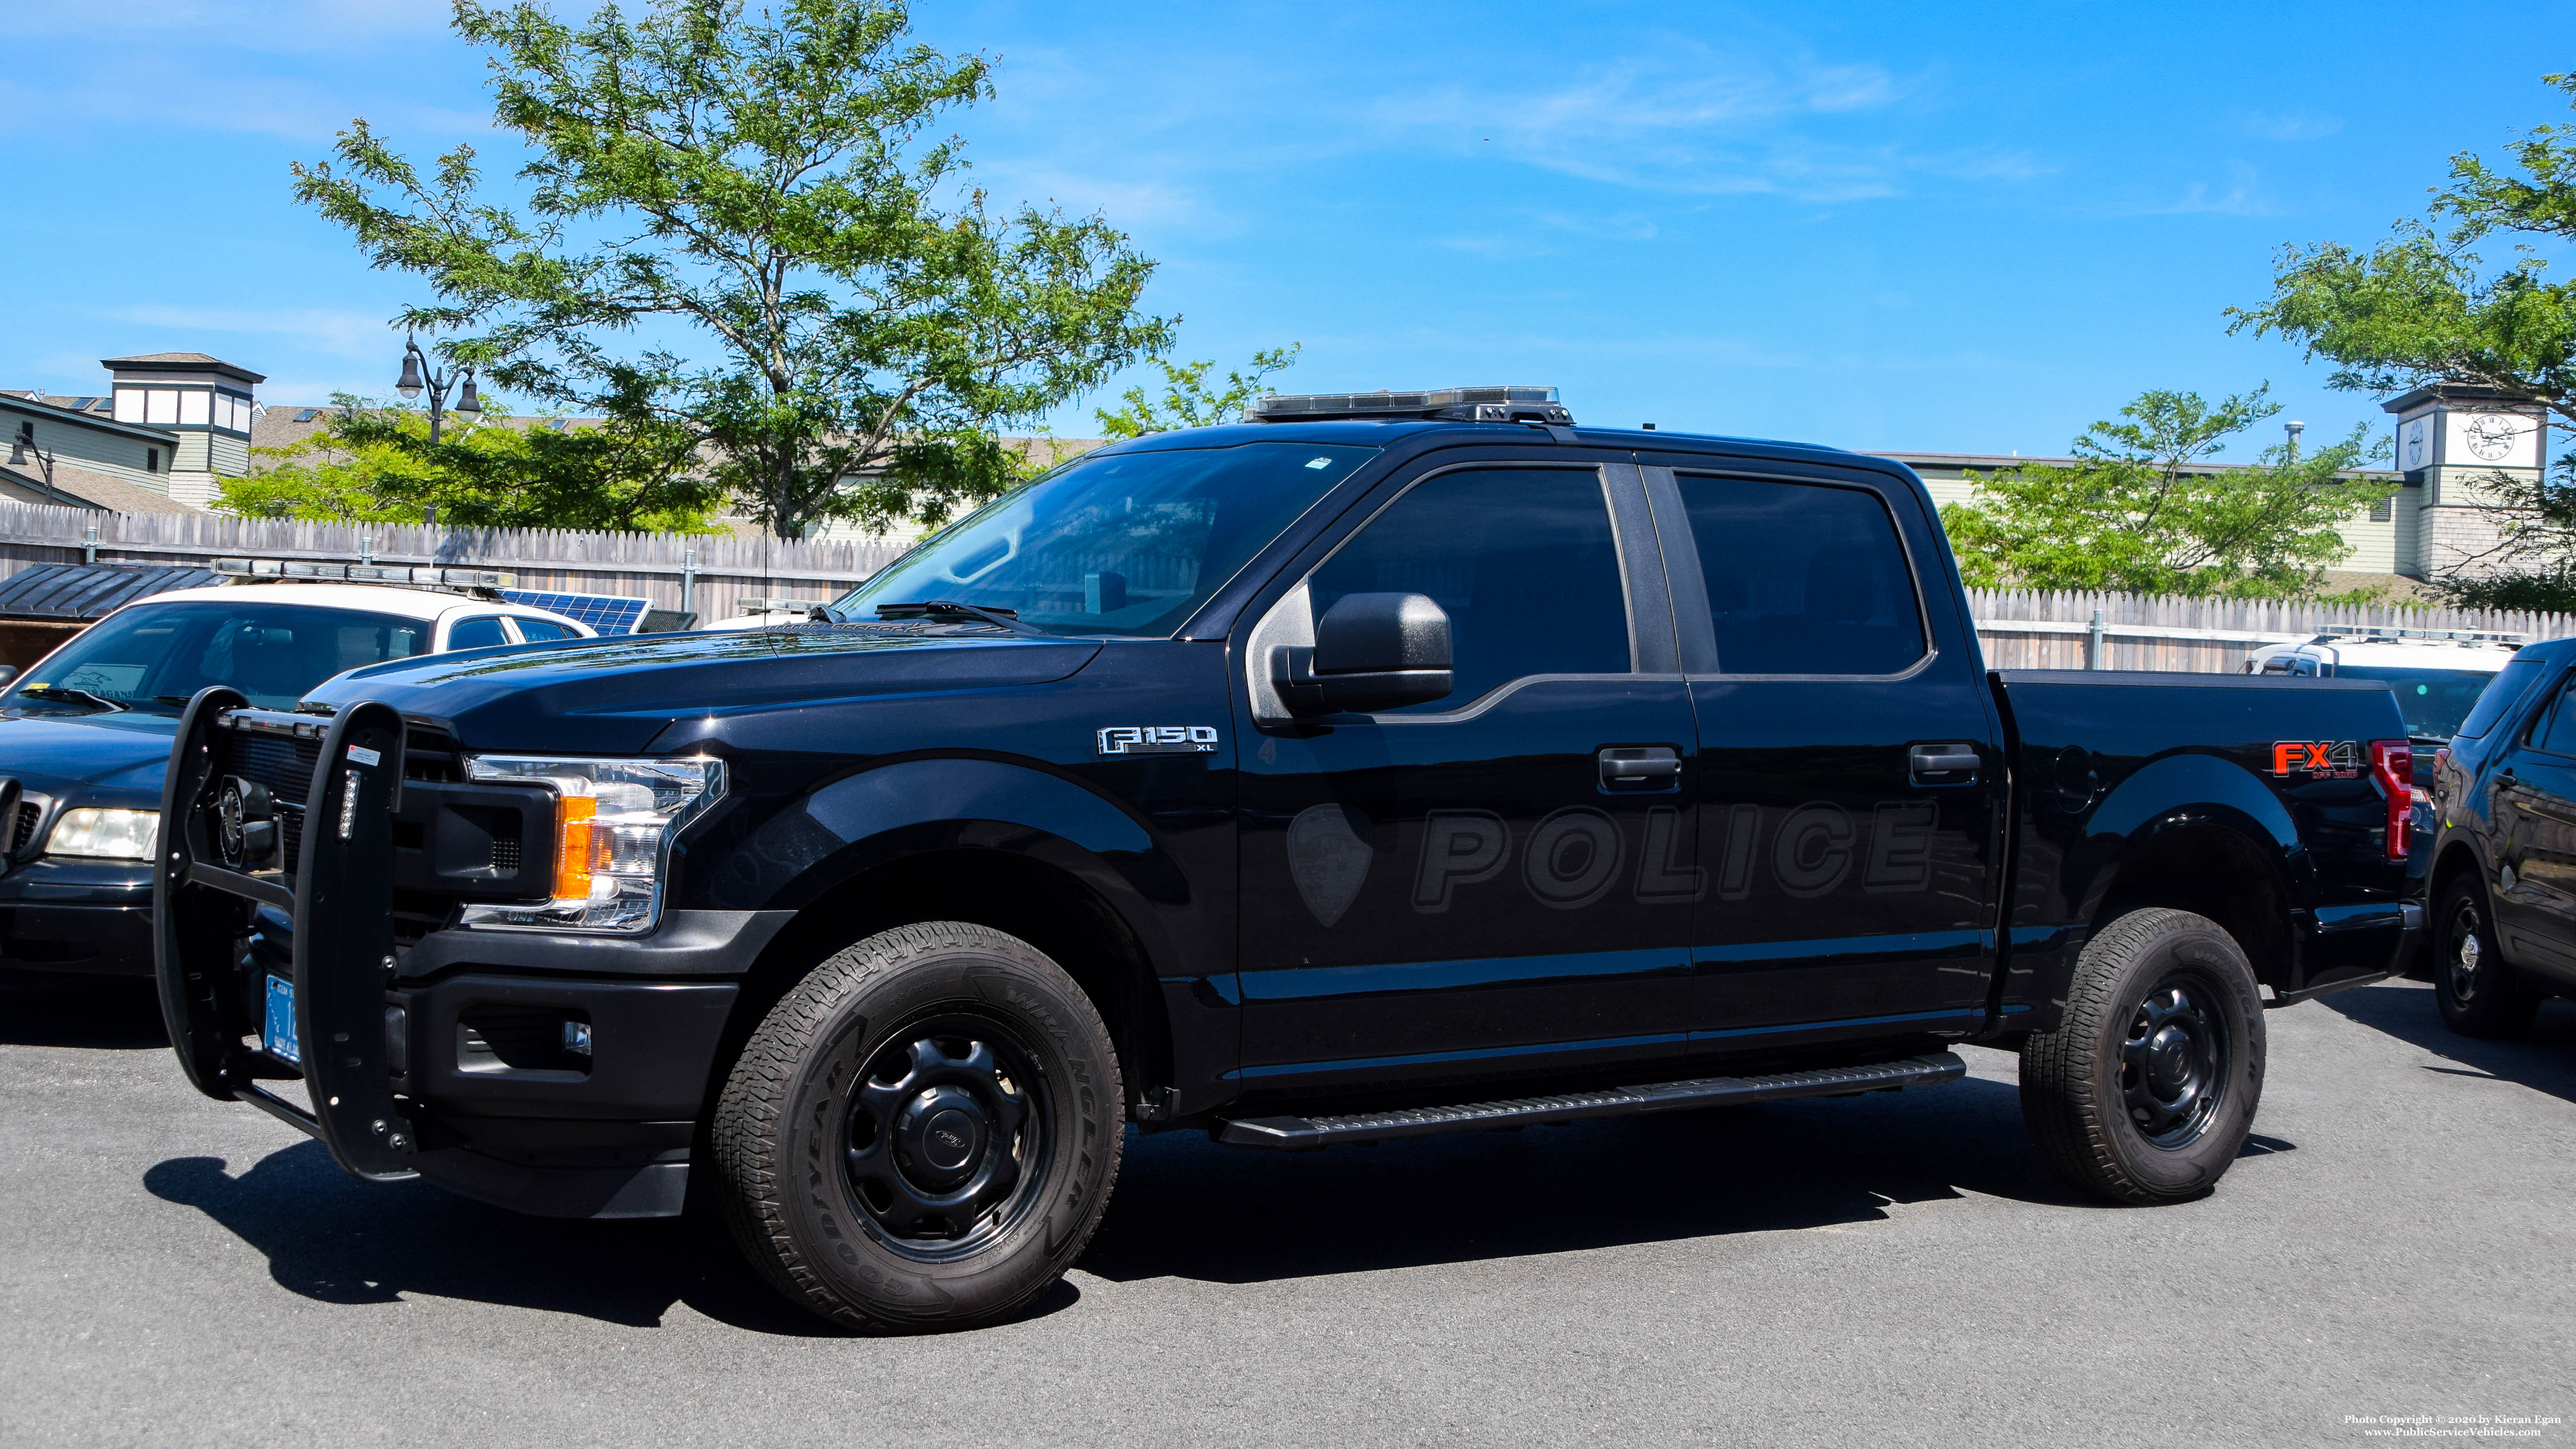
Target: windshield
column 1132, row 543
column 2434, row 701
column 152, row 657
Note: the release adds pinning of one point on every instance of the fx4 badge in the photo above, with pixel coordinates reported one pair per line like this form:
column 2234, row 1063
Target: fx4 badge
column 2322, row 759
column 1158, row 740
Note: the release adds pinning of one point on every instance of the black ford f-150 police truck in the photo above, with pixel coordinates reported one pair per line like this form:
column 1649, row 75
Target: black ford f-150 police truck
column 1385, row 765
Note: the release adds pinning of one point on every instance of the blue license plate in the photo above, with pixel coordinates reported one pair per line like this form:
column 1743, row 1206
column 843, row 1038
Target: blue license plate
column 279, row 1037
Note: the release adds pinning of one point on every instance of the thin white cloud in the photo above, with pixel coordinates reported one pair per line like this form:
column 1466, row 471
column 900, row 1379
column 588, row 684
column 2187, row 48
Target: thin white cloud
column 1691, row 118
column 2243, row 196
column 338, row 333
column 2291, row 126
column 1504, row 248
column 1624, row 226
column 278, row 27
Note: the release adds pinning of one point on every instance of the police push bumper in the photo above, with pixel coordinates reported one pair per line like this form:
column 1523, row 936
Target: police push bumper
column 276, row 817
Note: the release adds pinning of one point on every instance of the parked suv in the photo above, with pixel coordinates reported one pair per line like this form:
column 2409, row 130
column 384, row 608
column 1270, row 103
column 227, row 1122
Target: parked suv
column 1395, row 764
column 2504, row 865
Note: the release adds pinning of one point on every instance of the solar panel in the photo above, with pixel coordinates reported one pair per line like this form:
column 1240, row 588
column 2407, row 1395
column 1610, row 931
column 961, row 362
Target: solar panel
column 607, row 613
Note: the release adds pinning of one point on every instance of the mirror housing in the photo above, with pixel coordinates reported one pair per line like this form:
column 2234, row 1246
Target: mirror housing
column 8, row 672
column 1371, row 652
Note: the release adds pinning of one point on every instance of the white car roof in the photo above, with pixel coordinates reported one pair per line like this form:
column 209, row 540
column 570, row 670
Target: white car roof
column 424, row 604
column 2403, row 653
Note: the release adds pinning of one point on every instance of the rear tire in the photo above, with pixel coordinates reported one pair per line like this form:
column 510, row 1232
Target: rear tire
column 2147, row 1089
column 923, row 1134
column 2479, row 993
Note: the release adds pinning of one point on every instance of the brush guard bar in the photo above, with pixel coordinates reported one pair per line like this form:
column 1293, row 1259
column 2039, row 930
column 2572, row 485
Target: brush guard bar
column 339, row 897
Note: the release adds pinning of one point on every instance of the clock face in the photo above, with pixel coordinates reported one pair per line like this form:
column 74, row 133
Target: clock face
column 2490, row 435
column 2415, row 445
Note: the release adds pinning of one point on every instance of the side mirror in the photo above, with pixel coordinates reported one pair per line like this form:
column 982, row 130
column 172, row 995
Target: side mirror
column 8, row 672
column 1372, row 652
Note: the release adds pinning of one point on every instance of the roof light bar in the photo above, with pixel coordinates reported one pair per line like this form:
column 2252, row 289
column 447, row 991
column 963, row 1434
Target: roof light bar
column 1446, row 404
column 300, row 570
column 811, row 608
column 2392, row 631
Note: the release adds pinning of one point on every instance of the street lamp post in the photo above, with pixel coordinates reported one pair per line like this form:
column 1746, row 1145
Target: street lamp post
column 419, row 376
column 24, row 444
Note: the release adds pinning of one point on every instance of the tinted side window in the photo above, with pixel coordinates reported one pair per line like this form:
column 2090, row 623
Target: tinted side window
column 477, row 632
column 536, row 630
column 1522, row 559
column 2557, row 734
column 1803, row 578
column 2502, row 693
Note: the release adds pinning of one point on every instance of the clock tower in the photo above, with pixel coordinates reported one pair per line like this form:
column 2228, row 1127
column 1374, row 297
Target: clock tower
column 2456, row 444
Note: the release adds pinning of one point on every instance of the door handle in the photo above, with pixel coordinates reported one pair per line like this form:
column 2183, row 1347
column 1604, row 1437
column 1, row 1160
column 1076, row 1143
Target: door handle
column 1942, row 764
column 1641, row 767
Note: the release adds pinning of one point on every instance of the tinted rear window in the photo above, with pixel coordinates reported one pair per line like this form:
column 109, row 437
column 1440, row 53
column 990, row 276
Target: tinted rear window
column 2510, row 684
column 2432, row 700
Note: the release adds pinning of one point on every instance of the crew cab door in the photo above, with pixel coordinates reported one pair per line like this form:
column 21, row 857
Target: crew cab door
column 1850, row 776
column 2534, row 811
column 1474, row 886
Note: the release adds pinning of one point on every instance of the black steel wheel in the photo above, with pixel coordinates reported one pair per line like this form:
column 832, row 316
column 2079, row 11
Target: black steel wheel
column 947, row 1130
column 2478, row 991
column 2174, row 1058
column 923, row 1133
column 2146, row 1090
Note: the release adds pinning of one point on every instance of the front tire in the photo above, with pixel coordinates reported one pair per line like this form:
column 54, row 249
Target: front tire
column 923, row 1134
column 2147, row 1089
column 2479, row 994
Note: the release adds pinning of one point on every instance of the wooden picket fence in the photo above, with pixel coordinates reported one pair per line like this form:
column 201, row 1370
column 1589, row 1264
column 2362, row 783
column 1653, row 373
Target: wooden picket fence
column 709, row 575
column 2054, row 629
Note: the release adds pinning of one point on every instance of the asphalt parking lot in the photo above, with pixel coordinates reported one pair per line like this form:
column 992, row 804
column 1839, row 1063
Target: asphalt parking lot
column 2397, row 1241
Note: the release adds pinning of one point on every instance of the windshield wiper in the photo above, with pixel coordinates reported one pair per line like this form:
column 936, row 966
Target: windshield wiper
column 50, row 692
column 931, row 608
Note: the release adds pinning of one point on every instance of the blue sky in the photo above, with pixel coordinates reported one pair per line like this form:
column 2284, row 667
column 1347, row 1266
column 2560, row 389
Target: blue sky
column 1920, row 227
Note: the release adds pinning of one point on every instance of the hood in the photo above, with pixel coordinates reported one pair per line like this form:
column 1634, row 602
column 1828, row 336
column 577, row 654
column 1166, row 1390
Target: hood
column 115, row 760
column 613, row 695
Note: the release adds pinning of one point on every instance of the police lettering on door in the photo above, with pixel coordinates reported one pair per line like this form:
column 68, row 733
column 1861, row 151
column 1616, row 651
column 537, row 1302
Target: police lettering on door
column 1576, row 856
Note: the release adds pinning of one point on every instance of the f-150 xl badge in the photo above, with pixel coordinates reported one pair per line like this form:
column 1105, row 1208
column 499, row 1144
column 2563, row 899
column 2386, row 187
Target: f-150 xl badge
column 2327, row 759
column 1158, row 740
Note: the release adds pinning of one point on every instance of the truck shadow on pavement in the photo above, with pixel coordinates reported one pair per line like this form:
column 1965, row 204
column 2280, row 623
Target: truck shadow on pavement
column 333, row 1239
column 1188, row 1208
column 2544, row 1059
column 101, row 1013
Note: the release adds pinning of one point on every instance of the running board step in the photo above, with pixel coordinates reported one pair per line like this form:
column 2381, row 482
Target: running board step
column 1301, row 1134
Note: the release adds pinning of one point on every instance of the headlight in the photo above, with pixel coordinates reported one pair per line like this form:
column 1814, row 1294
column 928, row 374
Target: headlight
column 106, row 834
column 614, row 823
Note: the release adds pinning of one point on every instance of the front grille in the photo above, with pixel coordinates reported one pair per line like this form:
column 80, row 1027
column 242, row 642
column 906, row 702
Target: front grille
column 283, row 766
column 505, row 852
column 23, row 829
column 430, row 753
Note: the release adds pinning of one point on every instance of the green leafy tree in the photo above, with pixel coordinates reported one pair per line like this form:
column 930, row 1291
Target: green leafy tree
column 762, row 185
column 1187, row 401
column 2142, row 510
column 2427, row 305
column 373, row 464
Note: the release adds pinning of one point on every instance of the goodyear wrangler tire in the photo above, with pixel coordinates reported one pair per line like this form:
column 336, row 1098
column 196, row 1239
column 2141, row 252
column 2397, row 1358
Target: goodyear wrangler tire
column 2147, row 1089
column 922, row 1135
